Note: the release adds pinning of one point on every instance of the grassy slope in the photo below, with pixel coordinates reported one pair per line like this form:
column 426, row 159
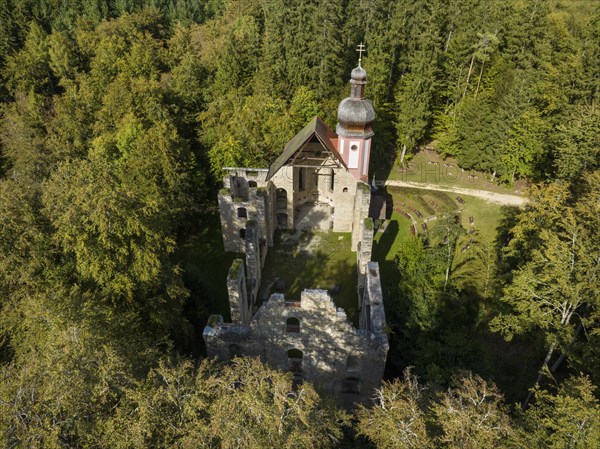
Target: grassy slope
column 512, row 365
column 428, row 167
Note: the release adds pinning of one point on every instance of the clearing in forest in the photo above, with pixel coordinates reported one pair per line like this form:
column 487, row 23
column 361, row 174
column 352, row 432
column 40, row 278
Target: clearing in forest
column 312, row 259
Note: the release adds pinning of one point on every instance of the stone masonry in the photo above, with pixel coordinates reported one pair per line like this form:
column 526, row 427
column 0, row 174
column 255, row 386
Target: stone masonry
column 321, row 175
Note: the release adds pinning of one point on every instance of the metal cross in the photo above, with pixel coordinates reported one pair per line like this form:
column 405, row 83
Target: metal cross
column 360, row 48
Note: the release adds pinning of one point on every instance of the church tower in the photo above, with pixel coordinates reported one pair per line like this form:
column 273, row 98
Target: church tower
column 354, row 127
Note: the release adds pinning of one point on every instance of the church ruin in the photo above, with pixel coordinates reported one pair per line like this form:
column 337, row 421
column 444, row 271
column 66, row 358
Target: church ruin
column 320, row 180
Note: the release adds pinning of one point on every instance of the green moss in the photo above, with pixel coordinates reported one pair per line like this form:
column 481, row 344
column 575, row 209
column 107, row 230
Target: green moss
column 251, row 173
column 225, row 192
column 234, row 271
column 364, row 187
column 215, row 320
column 369, row 224
column 261, row 191
column 250, row 224
column 238, row 199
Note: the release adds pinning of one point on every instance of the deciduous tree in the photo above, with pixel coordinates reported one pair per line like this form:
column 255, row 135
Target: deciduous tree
column 398, row 418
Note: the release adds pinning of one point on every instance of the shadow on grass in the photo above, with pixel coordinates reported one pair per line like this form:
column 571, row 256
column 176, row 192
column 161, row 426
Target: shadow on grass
column 383, row 250
column 455, row 334
column 309, row 260
column 204, row 265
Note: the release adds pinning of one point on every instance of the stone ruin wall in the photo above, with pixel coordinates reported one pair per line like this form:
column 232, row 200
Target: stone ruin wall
column 338, row 358
column 244, row 197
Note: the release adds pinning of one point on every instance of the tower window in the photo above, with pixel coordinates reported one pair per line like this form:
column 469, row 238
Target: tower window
column 293, row 325
column 353, row 157
column 242, row 233
column 242, row 212
column 345, row 189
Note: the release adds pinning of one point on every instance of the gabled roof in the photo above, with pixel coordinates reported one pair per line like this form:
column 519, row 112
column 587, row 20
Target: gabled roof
column 313, row 146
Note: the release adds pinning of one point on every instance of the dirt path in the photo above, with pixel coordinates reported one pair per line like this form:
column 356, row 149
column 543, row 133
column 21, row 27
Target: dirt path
column 492, row 197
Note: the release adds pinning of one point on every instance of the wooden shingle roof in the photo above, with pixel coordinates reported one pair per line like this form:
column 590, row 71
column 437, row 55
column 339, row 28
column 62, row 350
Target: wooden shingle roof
column 314, row 146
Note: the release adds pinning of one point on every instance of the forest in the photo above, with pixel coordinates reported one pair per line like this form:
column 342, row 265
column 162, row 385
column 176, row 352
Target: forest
column 116, row 118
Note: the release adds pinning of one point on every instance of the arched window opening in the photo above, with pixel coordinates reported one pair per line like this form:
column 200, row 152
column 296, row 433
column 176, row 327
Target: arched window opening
column 281, row 202
column 252, row 184
column 293, row 325
column 352, row 363
column 295, row 360
column 345, row 190
column 351, row 385
column 242, row 212
column 354, row 147
column 243, row 233
column 241, row 188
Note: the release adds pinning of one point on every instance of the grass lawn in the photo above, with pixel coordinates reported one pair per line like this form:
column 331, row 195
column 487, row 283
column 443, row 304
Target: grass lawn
column 512, row 365
column 431, row 206
column 428, row 167
column 313, row 260
column 205, row 266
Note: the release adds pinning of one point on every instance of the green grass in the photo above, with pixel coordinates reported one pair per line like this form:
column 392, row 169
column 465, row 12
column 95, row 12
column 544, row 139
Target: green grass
column 205, row 266
column 432, row 204
column 386, row 245
column 487, row 217
column 428, row 167
column 329, row 262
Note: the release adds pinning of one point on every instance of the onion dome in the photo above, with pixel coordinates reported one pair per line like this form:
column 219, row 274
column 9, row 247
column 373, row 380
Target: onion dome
column 355, row 113
column 359, row 74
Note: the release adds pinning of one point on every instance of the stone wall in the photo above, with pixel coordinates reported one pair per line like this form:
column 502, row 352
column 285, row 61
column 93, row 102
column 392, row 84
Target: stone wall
column 234, row 214
column 364, row 250
column 318, row 188
column 339, row 359
column 244, row 198
column 254, row 261
column 241, row 310
column 284, row 180
column 362, row 201
column 227, row 340
column 372, row 319
column 372, row 311
column 343, row 195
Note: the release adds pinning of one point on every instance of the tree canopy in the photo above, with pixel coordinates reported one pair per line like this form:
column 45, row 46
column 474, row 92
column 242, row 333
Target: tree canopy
column 116, row 119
